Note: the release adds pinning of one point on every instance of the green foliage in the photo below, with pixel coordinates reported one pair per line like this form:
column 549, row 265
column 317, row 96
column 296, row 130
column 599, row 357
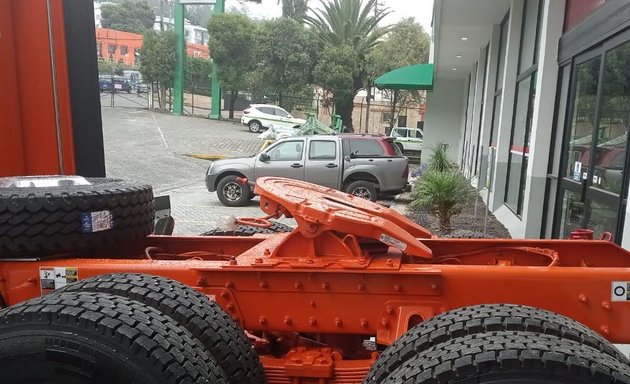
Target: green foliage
column 349, row 23
column 294, row 9
column 406, row 44
column 107, row 68
column 198, row 71
column 440, row 162
column 128, row 16
column 443, row 193
column 231, row 42
column 157, row 61
column 285, row 55
column 336, row 71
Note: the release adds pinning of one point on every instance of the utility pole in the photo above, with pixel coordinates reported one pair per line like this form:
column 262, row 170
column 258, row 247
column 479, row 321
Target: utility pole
column 180, row 52
column 215, row 113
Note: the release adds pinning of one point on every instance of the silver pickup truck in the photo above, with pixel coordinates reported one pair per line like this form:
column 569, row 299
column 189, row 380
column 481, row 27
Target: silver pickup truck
column 362, row 165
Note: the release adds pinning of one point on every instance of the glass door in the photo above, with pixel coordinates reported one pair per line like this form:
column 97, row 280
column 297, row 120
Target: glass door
column 593, row 179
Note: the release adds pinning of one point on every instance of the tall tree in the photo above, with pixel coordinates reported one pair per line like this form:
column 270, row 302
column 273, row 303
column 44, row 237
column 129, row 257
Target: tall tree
column 157, row 62
column 406, row 44
column 285, row 55
column 128, row 16
column 231, row 41
column 351, row 23
column 294, row 9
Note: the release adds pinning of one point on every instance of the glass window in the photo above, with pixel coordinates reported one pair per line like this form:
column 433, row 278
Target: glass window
column 399, row 132
column 123, row 50
column 572, row 215
column 614, row 121
column 111, row 48
column 519, row 147
column 581, row 137
column 366, row 147
column 323, row 150
column 502, row 52
column 386, row 117
column 267, row 110
column 494, row 133
column 281, row 112
column 287, row 151
column 528, row 54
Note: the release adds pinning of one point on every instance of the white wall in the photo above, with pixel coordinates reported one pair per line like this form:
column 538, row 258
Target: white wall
column 444, row 117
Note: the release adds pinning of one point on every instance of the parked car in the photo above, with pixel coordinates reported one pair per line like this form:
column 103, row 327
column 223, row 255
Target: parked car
column 362, row 165
column 260, row 116
column 108, row 83
column 408, row 139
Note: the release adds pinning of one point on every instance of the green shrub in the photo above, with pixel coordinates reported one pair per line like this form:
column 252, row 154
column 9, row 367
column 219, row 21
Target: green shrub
column 443, row 194
column 439, row 158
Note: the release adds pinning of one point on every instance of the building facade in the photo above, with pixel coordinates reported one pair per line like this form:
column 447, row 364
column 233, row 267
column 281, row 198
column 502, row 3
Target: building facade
column 533, row 97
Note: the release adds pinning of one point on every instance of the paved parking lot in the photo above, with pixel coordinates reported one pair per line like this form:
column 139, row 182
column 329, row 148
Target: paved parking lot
column 154, row 148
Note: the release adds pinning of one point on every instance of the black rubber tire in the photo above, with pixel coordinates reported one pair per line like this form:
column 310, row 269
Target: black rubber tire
column 245, row 192
column 368, row 186
column 248, row 230
column 85, row 337
column 221, row 336
column 255, row 126
column 512, row 357
column 483, row 318
column 37, row 221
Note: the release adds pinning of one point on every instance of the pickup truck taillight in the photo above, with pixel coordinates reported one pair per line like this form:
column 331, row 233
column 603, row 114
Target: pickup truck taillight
column 405, row 174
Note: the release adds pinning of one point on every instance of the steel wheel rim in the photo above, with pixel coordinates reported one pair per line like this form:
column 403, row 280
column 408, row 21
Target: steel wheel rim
column 362, row 192
column 232, row 191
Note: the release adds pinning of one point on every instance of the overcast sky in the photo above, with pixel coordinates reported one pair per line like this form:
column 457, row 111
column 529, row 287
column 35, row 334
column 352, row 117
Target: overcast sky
column 421, row 10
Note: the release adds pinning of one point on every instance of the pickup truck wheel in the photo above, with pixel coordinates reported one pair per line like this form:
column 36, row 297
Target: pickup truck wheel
column 232, row 193
column 484, row 318
column 95, row 338
column 42, row 215
column 222, row 337
column 248, row 230
column 511, row 357
column 363, row 189
column 254, row 126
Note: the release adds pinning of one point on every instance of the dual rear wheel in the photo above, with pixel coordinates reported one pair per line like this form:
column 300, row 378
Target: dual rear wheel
column 124, row 328
column 500, row 344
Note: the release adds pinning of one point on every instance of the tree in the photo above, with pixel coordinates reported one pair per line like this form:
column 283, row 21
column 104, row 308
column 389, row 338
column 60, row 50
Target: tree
column 198, row 71
column 285, row 55
column 231, row 37
column 128, row 16
column 350, row 23
column 294, row 9
column 406, row 44
column 157, row 62
column 336, row 71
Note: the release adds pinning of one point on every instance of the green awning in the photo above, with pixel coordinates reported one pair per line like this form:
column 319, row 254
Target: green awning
column 412, row 77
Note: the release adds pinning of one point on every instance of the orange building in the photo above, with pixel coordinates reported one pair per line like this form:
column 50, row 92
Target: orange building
column 121, row 47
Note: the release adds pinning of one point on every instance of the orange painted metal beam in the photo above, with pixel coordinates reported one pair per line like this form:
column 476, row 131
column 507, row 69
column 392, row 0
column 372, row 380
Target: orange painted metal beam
column 36, row 135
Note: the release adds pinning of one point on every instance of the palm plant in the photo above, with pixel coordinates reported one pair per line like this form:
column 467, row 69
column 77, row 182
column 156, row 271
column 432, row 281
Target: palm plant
column 351, row 23
column 444, row 193
column 439, row 158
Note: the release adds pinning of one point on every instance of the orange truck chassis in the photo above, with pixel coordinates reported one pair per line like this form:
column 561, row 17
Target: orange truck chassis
column 320, row 303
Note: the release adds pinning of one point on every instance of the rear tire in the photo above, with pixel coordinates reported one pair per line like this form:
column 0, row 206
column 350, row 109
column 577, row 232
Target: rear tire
column 254, row 126
column 231, row 193
column 484, row 318
column 363, row 189
column 37, row 221
column 82, row 338
column 514, row 358
column 222, row 337
column 248, row 230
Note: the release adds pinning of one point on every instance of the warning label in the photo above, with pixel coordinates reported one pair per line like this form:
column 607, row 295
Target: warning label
column 620, row 291
column 96, row 221
column 52, row 278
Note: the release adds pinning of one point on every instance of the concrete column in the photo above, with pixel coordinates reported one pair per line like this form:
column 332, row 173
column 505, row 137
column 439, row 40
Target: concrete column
column 488, row 104
column 542, row 119
column 507, row 107
column 464, row 124
column 444, row 119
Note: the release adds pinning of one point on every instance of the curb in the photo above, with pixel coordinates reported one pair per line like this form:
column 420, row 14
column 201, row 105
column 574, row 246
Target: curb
column 208, row 157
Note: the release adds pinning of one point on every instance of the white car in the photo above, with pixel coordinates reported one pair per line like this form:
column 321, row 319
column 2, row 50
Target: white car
column 260, row 116
column 408, row 139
